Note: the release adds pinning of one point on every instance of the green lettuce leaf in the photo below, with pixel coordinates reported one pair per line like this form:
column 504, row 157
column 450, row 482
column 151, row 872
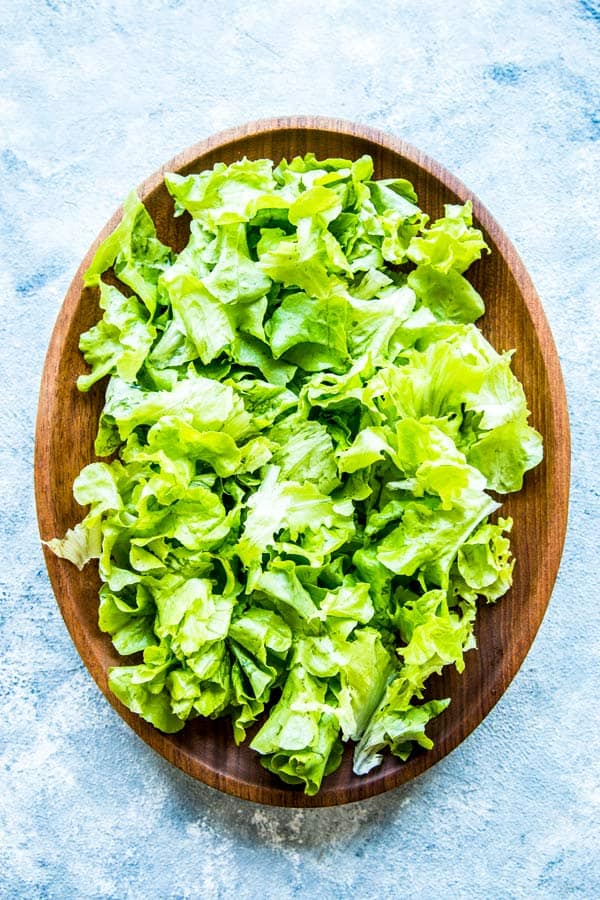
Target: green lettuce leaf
column 505, row 453
column 397, row 725
column 448, row 295
column 299, row 509
column 304, row 452
column 299, row 741
column 428, row 536
column 310, row 332
column 226, row 194
column 205, row 403
column 451, row 242
column 142, row 689
column 120, row 342
column 484, row 564
column 235, row 277
column 363, row 676
column 135, row 253
column 128, row 618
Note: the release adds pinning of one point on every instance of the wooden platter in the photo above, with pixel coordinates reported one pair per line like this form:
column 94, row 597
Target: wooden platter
column 67, row 421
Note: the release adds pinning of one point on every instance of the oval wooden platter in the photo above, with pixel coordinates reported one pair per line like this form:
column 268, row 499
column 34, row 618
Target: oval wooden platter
column 66, row 427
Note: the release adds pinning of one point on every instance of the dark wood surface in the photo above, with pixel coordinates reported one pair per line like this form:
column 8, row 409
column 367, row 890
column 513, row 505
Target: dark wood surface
column 66, row 427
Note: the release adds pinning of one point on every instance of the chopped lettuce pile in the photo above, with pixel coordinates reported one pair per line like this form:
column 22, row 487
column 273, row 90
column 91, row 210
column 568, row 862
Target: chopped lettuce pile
column 301, row 429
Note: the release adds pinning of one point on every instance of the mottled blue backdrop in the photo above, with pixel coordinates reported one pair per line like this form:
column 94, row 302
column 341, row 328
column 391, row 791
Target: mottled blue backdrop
column 94, row 96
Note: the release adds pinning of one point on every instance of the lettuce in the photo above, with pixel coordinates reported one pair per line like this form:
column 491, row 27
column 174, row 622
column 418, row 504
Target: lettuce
column 301, row 426
column 135, row 253
column 451, row 243
column 120, row 342
column 300, row 741
column 310, row 331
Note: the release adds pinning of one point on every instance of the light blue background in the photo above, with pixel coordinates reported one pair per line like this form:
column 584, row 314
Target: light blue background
column 94, row 96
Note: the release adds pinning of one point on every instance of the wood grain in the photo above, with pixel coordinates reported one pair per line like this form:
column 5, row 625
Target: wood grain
column 67, row 422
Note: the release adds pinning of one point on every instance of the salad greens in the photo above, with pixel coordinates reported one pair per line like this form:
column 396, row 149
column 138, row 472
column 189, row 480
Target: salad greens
column 301, row 427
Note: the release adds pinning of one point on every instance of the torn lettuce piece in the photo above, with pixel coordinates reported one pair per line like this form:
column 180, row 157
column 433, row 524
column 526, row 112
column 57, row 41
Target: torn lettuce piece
column 429, row 536
column 224, row 194
column 139, row 697
column 363, row 676
column 350, row 602
column 484, row 564
column 191, row 615
column 235, row 277
column 280, row 586
column 450, row 242
column 301, row 509
column 142, row 689
column 505, row 453
column 80, row 543
column 260, row 641
column 135, row 253
column 262, row 633
column 448, row 295
column 397, row 725
column 250, row 351
column 204, row 402
column 128, row 618
column 121, row 340
column 310, row 332
column 433, row 382
column 304, row 452
column 374, row 322
column 299, row 741
column 434, row 635
column 205, row 319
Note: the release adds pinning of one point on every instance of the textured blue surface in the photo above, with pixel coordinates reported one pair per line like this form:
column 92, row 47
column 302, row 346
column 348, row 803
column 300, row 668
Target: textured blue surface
column 93, row 97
